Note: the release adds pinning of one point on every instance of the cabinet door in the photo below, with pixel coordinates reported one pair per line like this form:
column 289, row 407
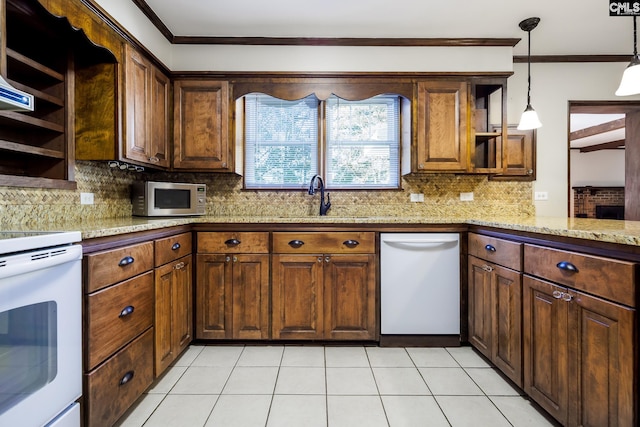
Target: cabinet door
column 182, row 310
column 201, row 125
column 519, row 156
column 173, row 320
column 297, row 303
column 546, row 352
column 480, row 305
column 349, row 297
column 602, row 386
column 442, row 126
column 507, row 322
column 136, row 106
column 213, row 296
column 250, row 296
column 158, row 144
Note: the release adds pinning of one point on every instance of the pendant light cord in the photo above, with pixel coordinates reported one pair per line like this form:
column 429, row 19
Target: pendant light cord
column 635, row 39
column 529, row 64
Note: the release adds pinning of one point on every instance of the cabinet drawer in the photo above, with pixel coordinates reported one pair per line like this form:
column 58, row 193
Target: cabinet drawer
column 334, row 243
column 172, row 248
column 112, row 266
column 498, row 251
column 605, row 277
column 112, row 388
column 116, row 315
column 233, row 243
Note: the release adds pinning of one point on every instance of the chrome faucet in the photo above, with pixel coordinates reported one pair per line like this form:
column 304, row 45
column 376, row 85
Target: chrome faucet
column 324, row 207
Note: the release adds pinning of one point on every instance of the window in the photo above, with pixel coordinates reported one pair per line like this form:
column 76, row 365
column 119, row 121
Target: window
column 356, row 144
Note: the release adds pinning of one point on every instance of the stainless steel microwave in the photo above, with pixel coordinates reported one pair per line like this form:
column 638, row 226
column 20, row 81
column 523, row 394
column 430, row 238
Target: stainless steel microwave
column 151, row 198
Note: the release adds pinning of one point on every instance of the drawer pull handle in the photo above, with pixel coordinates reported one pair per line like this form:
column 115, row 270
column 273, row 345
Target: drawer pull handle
column 296, row 243
column 126, row 261
column 127, row 377
column 126, row 311
column 490, row 248
column 232, row 242
column 567, row 266
column 175, row 246
column 351, row 243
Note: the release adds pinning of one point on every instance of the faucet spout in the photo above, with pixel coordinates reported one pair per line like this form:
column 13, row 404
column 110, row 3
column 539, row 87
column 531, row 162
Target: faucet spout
column 324, row 207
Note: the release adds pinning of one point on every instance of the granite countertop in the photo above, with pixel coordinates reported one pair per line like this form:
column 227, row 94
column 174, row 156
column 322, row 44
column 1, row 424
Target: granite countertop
column 613, row 231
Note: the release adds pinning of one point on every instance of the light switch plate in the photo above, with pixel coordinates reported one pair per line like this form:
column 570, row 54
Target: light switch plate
column 86, row 198
column 466, row 197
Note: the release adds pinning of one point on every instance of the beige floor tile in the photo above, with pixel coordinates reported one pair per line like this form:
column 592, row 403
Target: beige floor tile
column 521, row 413
column 138, row 414
column 413, row 411
column 202, row 380
column 251, row 380
column 467, row 357
column 188, row 356
column 294, row 411
column 471, row 411
column 356, row 411
column 400, row 381
column 346, row 357
column 182, row 411
column 303, row 356
column 261, row 356
column 215, row 355
column 300, row 380
column 491, row 382
column 432, row 357
column 169, row 378
column 388, row 357
column 236, row 410
column 351, row 381
column 449, row 381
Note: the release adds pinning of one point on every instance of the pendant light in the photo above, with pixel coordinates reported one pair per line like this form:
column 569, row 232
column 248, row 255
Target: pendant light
column 630, row 84
column 529, row 119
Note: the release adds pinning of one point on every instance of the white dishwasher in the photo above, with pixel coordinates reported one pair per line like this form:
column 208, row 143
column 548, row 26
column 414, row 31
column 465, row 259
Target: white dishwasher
column 420, row 283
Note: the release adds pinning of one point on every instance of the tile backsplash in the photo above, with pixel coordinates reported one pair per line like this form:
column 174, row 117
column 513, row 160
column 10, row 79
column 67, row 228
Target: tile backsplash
column 225, row 197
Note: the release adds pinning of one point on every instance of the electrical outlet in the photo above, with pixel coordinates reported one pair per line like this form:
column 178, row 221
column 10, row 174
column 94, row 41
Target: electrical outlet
column 86, row 198
column 541, row 195
column 466, row 197
column 417, row 197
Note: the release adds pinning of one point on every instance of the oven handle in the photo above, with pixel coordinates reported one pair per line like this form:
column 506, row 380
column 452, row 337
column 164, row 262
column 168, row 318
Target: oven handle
column 39, row 260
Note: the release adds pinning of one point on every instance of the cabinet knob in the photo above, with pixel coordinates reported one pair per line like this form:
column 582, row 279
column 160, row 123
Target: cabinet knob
column 567, row 266
column 127, row 377
column 296, row 243
column 154, row 159
column 487, row 268
column 179, row 266
column 175, row 246
column 566, row 297
column 490, row 248
column 126, row 261
column 126, row 311
column 319, row 259
column 235, row 258
column 351, row 243
column 557, row 294
column 529, row 171
column 327, row 259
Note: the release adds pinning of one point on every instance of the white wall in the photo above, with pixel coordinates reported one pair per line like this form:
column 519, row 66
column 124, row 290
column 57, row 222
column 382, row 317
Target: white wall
column 553, row 85
column 603, row 168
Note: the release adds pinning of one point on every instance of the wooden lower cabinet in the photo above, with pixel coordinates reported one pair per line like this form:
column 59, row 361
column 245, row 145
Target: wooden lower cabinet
column 579, row 355
column 495, row 315
column 319, row 296
column 114, row 386
column 174, row 311
column 232, row 293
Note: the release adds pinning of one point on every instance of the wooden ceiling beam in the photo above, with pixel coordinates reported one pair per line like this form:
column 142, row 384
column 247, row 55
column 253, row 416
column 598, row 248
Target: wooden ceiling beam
column 604, row 146
column 597, row 129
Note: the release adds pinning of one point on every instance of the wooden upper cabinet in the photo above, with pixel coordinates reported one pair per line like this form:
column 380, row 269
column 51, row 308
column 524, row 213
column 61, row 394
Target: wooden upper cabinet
column 519, row 161
column 146, row 109
column 201, row 125
column 443, row 114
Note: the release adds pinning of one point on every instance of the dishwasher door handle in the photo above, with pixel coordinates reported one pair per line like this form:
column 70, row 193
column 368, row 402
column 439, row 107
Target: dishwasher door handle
column 418, row 243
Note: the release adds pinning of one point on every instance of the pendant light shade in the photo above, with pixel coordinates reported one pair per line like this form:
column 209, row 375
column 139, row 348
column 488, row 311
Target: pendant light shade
column 529, row 119
column 630, row 84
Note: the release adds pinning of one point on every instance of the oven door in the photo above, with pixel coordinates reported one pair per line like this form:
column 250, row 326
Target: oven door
column 40, row 337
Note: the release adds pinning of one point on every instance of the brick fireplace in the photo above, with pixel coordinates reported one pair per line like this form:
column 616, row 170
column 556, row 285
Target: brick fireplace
column 598, row 202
